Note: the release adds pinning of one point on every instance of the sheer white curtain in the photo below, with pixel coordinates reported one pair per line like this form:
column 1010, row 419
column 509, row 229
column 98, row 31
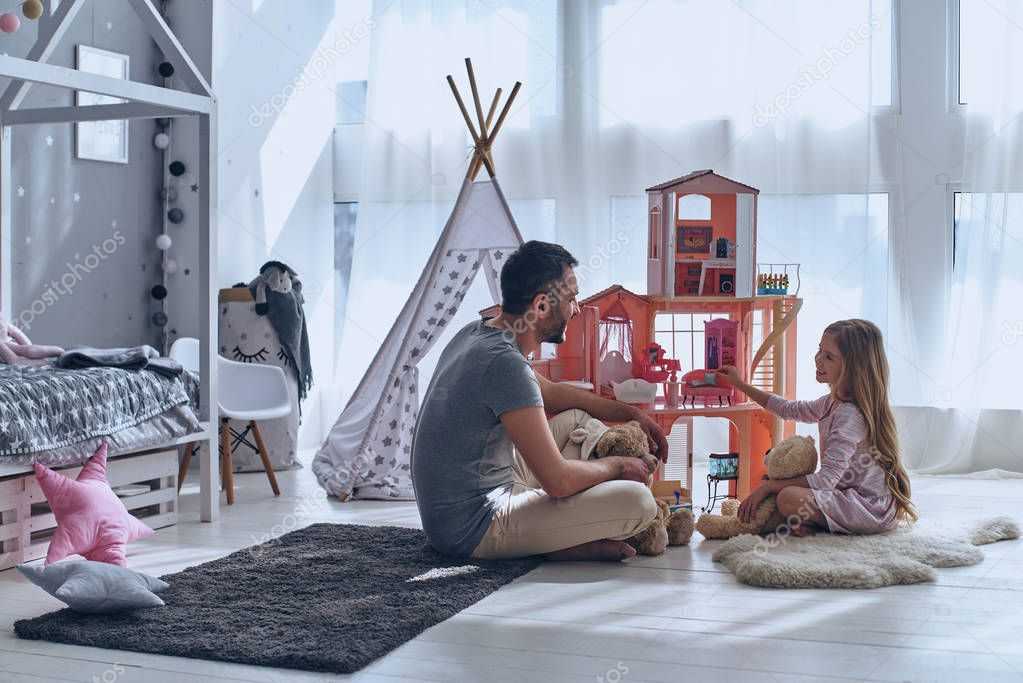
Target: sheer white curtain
column 975, row 424
column 970, row 419
column 617, row 96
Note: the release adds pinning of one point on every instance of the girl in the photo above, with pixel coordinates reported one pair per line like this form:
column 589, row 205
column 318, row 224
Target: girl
column 861, row 487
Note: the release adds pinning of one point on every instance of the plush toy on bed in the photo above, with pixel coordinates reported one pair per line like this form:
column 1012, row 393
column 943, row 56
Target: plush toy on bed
column 795, row 456
column 597, row 440
column 17, row 349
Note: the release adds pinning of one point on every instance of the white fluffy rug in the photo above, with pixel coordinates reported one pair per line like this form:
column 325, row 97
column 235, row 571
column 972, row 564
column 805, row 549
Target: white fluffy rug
column 831, row 561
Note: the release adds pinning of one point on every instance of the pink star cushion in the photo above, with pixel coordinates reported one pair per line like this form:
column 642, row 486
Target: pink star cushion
column 91, row 520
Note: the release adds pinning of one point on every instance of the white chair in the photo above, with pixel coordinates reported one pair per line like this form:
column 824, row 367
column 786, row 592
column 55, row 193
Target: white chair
column 247, row 392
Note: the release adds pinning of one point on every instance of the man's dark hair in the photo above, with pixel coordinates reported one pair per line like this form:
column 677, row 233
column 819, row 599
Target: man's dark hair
column 533, row 269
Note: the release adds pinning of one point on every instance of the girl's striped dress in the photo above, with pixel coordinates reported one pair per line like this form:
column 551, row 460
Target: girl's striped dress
column 849, row 487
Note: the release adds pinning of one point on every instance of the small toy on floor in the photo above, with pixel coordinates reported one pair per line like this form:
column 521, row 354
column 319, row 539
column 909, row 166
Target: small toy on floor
column 628, row 440
column 17, row 349
column 793, row 457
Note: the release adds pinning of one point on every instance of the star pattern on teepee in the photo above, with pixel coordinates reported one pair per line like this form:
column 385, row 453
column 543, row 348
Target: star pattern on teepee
column 91, row 520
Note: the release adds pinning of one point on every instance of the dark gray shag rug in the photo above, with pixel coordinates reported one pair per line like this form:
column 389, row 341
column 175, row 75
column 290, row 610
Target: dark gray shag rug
column 329, row 597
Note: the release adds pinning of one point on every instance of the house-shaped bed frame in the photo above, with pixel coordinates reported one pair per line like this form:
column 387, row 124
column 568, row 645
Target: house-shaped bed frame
column 141, row 101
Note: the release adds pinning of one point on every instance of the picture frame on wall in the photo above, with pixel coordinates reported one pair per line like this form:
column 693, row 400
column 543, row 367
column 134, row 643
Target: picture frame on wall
column 693, row 240
column 101, row 140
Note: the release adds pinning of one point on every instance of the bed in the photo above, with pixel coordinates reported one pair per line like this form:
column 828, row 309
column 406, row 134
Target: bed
column 58, row 416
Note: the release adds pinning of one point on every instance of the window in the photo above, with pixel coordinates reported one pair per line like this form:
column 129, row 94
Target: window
column 681, row 336
column 345, row 214
column 801, row 57
column 841, row 243
column 694, row 207
column 985, row 323
column 989, row 47
column 655, row 233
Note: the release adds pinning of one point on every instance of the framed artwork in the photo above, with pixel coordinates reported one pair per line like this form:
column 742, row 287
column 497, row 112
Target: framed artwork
column 693, row 240
column 101, row 140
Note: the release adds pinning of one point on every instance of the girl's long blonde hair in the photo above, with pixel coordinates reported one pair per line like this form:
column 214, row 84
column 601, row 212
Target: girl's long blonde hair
column 864, row 381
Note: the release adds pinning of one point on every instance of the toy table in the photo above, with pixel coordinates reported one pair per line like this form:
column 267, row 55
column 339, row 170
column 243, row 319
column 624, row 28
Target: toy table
column 741, row 415
column 710, row 263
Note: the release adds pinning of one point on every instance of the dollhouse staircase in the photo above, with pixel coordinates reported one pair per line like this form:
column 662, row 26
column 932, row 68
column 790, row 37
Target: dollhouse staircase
column 762, row 369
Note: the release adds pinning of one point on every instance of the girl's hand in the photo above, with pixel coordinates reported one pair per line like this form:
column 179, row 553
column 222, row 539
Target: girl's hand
column 749, row 506
column 730, row 374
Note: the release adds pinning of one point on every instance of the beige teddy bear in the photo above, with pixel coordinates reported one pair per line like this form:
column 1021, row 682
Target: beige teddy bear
column 793, row 457
column 629, row 440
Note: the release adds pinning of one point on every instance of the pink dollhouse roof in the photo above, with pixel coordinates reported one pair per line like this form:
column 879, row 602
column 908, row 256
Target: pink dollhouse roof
column 739, row 187
column 613, row 289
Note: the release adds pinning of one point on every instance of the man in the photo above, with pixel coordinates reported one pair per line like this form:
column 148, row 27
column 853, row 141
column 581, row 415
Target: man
column 478, row 495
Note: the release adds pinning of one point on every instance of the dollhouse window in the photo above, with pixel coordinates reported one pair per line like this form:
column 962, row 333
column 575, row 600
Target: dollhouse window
column 694, row 207
column 655, row 233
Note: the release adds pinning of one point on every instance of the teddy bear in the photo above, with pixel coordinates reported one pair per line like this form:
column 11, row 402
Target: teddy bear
column 793, row 457
column 628, row 440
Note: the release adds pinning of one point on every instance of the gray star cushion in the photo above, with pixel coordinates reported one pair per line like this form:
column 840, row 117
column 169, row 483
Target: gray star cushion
column 96, row 587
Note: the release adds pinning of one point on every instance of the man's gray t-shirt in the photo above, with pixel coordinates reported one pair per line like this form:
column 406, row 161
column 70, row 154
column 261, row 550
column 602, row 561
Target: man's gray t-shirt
column 460, row 452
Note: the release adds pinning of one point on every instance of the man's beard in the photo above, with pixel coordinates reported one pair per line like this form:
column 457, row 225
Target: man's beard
column 555, row 334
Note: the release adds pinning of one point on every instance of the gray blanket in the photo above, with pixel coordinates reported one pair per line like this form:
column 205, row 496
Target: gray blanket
column 130, row 358
column 44, row 408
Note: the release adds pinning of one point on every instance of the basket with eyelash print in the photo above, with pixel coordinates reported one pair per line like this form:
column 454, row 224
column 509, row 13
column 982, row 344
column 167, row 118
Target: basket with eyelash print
column 249, row 338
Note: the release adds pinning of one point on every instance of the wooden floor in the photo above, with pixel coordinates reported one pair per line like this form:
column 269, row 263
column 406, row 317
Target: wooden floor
column 678, row 617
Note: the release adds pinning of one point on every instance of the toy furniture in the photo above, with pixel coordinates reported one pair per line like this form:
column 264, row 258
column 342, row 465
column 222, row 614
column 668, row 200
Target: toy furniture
column 723, row 467
column 695, row 385
column 247, row 392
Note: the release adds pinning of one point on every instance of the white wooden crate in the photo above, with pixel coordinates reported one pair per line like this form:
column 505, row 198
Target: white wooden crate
column 26, row 523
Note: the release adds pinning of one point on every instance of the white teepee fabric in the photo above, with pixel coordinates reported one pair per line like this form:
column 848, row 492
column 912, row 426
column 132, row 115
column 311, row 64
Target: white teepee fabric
column 367, row 452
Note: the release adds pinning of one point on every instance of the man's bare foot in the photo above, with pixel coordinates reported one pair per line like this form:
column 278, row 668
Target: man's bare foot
column 594, row 550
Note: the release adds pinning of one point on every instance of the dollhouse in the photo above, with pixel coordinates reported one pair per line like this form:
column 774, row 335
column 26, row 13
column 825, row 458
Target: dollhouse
column 706, row 307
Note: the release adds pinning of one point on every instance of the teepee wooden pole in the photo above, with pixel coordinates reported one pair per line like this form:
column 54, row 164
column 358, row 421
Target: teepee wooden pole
column 504, row 112
column 476, row 99
column 465, row 113
column 493, row 108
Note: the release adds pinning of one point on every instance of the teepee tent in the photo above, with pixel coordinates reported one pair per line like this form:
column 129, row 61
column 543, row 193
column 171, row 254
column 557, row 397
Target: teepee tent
column 368, row 451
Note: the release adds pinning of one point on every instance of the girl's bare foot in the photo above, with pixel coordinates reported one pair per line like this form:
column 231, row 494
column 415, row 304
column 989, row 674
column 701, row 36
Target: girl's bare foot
column 594, row 550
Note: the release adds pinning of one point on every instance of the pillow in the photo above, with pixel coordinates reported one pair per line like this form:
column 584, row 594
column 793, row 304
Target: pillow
column 710, row 379
column 96, row 587
column 91, row 520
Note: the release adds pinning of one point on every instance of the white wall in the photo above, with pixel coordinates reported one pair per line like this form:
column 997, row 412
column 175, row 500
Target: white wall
column 273, row 77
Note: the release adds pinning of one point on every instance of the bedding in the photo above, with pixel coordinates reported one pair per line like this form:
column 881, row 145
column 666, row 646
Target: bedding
column 55, row 416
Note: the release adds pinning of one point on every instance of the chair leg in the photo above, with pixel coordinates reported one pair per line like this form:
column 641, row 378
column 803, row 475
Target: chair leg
column 265, row 456
column 226, row 469
column 185, row 459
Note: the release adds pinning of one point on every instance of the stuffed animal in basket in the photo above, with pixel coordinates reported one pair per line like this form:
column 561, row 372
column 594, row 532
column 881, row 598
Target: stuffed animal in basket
column 628, row 440
column 793, row 457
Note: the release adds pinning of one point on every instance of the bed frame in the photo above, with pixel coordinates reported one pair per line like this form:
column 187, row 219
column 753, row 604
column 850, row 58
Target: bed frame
column 142, row 101
column 27, row 524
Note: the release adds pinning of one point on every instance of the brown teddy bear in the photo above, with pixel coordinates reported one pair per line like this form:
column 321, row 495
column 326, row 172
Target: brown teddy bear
column 793, row 457
column 628, row 440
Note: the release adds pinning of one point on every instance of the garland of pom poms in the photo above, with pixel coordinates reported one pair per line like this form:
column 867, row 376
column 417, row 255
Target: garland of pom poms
column 171, row 215
column 30, row 9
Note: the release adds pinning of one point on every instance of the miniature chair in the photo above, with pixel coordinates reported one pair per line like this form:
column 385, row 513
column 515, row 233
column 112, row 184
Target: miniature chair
column 248, row 392
column 723, row 467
